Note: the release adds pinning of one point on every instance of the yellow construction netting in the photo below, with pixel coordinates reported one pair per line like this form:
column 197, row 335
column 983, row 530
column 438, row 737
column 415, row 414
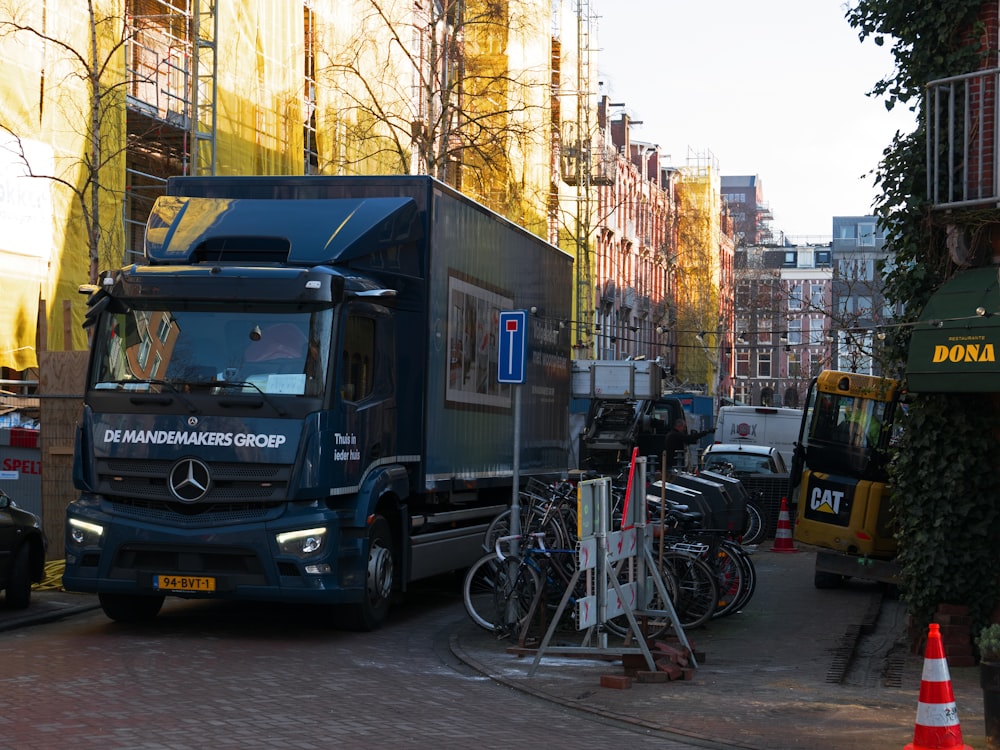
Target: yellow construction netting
column 45, row 103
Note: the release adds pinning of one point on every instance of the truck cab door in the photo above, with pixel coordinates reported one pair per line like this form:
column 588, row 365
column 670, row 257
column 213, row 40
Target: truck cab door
column 366, row 392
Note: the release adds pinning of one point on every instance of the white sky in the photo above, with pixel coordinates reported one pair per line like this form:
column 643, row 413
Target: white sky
column 774, row 88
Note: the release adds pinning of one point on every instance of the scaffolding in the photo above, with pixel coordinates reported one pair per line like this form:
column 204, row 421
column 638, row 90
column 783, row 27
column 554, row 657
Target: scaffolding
column 171, row 84
column 584, row 280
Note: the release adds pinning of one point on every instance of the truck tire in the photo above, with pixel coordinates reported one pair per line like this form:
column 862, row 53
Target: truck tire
column 18, row 594
column 130, row 607
column 373, row 608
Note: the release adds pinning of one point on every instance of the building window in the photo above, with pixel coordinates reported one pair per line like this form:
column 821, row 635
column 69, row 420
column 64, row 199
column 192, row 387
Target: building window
column 764, row 364
column 866, row 234
column 817, row 296
column 795, row 297
column 742, row 392
column 816, row 362
column 794, row 331
column 742, row 362
column 794, row 364
column 791, row 257
column 163, row 329
column 822, row 257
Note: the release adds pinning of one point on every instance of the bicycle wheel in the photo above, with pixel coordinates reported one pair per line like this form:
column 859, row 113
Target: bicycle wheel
column 731, row 579
column 750, row 574
column 498, row 593
column 754, row 529
column 697, row 591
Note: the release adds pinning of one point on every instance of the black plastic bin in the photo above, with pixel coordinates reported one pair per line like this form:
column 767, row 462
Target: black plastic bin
column 727, row 503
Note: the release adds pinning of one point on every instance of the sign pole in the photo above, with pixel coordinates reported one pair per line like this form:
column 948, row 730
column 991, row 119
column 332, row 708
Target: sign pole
column 515, row 504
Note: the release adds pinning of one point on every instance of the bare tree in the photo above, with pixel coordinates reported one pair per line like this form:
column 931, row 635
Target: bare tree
column 428, row 87
column 91, row 64
column 847, row 319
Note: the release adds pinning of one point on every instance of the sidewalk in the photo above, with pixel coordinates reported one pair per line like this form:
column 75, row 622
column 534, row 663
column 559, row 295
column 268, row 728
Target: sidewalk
column 46, row 605
column 770, row 674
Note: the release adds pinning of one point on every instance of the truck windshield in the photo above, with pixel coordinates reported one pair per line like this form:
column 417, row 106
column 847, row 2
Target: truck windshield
column 846, row 420
column 213, row 348
column 844, row 434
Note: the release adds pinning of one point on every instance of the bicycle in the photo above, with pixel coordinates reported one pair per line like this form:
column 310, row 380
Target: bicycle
column 728, row 562
column 549, row 508
column 501, row 591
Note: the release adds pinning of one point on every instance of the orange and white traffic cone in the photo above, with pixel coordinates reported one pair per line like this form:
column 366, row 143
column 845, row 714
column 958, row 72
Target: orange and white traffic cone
column 937, row 717
column 783, row 537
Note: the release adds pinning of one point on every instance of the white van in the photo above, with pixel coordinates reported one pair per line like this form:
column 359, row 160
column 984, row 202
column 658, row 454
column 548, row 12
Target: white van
column 759, row 425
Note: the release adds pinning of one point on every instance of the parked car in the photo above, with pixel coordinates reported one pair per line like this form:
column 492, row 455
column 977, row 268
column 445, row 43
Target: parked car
column 22, row 552
column 742, row 459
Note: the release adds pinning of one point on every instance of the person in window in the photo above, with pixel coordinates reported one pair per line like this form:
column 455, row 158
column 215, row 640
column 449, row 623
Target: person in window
column 676, row 442
column 859, row 427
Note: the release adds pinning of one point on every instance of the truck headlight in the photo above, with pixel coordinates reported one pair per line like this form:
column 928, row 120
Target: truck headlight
column 304, row 543
column 84, row 532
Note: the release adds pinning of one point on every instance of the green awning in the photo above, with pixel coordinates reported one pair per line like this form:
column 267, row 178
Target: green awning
column 955, row 343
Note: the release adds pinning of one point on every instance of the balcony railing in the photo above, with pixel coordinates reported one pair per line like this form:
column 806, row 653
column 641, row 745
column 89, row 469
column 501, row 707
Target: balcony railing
column 962, row 158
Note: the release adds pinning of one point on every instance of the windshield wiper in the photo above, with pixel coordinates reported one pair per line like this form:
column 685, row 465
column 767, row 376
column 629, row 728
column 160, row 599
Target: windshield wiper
column 247, row 384
column 124, row 384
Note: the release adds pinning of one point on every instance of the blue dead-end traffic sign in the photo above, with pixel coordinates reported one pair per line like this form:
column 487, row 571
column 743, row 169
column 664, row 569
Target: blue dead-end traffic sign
column 513, row 346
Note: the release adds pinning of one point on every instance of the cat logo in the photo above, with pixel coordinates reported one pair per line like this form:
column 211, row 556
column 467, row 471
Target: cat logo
column 825, row 501
column 964, row 353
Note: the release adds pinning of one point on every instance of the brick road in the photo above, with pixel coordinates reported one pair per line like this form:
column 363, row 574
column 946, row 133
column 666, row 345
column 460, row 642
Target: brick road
column 240, row 676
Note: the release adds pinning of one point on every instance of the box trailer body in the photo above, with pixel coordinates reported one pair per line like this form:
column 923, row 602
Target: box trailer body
column 296, row 397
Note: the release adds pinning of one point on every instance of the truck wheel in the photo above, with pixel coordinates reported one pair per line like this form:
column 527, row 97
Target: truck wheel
column 130, row 607
column 824, row 580
column 19, row 586
column 373, row 608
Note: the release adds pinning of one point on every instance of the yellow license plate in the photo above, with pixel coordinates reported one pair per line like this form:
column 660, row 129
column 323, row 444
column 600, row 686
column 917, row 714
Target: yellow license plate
column 184, row 583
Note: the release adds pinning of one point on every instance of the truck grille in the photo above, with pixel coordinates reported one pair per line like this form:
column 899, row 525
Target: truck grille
column 176, row 514
column 231, row 483
column 234, row 566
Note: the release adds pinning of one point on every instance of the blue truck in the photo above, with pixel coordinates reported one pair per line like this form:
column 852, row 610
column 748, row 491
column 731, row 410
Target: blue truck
column 296, row 397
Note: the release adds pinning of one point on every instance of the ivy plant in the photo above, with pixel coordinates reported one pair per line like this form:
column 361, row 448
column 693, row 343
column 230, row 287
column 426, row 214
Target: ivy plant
column 946, row 505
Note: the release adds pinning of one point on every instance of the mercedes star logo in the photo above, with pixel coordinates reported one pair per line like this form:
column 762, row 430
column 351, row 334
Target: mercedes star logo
column 189, row 480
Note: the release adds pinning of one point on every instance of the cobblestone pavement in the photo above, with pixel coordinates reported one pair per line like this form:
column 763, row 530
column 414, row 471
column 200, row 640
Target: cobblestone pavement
column 798, row 668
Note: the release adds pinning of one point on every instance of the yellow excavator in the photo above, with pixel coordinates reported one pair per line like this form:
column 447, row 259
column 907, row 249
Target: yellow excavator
column 840, row 465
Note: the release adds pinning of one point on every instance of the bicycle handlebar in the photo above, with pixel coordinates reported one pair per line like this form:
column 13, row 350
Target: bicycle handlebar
column 538, row 535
